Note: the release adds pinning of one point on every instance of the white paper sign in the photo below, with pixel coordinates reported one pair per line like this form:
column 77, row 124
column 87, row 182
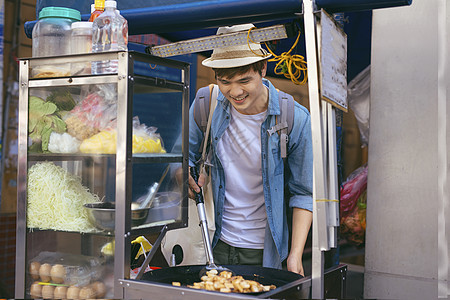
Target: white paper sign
column 333, row 62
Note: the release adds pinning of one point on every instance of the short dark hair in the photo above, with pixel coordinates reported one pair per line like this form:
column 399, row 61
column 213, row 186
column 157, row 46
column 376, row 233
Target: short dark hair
column 231, row 72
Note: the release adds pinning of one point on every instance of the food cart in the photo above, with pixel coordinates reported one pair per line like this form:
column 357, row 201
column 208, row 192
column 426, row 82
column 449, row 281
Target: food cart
column 104, row 173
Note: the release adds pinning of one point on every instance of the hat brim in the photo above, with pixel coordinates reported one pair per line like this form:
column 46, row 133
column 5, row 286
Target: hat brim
column 232, row 62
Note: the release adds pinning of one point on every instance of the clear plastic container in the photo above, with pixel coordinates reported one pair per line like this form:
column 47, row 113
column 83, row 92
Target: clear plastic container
column 67, row 276
column 51, row 37
column 81, row 43
column 109, row 33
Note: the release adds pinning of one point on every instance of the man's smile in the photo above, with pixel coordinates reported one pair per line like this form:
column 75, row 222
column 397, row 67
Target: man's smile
column 239, row 100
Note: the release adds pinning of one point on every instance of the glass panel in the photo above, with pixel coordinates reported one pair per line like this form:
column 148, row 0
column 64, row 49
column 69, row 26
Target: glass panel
column 160, row 114
column 70, row 165
column 166, row 205
column 63, row 66
column 64, row 265
column 75, row 119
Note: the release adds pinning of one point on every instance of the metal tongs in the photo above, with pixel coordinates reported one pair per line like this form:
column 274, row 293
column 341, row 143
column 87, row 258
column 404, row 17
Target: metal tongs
column 210, row 265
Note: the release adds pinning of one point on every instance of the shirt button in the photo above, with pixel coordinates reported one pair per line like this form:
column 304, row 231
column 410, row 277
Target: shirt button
column 220, row 186
column 228, row 117
column 215, row 138
column 218, row 213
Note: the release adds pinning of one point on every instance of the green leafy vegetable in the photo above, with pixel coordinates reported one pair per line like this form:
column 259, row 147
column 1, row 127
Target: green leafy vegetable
column 63, row 100
column 42, row 121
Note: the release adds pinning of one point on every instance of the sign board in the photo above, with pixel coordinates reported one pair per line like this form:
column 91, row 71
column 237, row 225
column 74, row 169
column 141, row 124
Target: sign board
column 333, row 62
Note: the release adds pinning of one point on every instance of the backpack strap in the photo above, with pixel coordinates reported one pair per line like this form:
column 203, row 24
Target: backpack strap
column 283, row 125
column 206, row 154
column 203, row 110
column 202, row 106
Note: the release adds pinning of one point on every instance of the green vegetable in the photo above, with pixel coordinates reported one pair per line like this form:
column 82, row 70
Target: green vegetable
column 63, row 99
column 42, row 121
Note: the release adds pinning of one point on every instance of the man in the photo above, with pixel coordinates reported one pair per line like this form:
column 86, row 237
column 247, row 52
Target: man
column 247, row 169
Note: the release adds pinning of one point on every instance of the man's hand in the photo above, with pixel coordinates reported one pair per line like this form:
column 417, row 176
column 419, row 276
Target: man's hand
column 192, row 185
column 294, row 264
column 196, row 186
column 301, row 222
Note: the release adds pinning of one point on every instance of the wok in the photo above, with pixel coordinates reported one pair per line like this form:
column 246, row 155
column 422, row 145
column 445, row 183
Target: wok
column 190, row 274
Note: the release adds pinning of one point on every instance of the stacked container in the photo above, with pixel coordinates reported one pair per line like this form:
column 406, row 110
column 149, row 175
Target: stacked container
column 51, row 37
column 81, row 43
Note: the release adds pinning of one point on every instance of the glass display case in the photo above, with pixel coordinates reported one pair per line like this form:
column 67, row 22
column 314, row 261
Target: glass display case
column 97, row 158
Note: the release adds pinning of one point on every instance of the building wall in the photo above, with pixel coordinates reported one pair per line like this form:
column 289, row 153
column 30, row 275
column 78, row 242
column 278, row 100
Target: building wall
column 401, row 259
column 16, row 45
column 7, row 254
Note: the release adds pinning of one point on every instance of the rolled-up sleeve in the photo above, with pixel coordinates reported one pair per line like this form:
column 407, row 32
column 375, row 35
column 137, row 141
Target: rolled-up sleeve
column 300, row 161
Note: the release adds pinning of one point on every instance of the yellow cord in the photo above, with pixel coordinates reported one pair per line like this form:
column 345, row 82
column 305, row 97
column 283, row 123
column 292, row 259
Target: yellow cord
column 250, row 40
column 293, row 67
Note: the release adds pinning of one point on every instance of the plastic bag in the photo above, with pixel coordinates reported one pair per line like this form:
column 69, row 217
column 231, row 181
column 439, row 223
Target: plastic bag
column 63, row 143
column 145, row 140
column 96, row 112
column 359, row 101
column 353, row 207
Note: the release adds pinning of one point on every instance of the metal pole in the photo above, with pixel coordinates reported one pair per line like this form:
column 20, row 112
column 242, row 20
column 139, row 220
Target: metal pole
column 319, row 187
column 21, row 226
column 123, row 209
column 333, row 186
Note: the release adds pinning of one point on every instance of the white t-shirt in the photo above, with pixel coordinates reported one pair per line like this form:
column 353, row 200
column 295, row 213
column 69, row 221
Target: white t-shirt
column 239, row 150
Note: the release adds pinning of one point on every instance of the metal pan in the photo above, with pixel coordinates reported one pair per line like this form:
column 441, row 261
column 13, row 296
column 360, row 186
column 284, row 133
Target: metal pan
column 187, row 275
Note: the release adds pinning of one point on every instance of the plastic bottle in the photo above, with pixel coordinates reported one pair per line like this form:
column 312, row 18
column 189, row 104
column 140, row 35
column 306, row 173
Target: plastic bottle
column 109, row 33
column 99, row 8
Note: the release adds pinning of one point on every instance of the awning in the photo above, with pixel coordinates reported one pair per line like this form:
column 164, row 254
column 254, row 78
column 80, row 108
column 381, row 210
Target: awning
column 191, row 15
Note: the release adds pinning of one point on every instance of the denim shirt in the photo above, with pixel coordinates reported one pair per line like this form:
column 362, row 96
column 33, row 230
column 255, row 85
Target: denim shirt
column 298, row 176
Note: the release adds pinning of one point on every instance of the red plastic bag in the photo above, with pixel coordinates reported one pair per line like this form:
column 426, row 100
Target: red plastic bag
column 351, row 190
column 353, row 207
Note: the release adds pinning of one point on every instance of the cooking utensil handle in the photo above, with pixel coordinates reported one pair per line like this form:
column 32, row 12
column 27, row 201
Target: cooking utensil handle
column 205, row 233
column 195, row 175
column 202, row 217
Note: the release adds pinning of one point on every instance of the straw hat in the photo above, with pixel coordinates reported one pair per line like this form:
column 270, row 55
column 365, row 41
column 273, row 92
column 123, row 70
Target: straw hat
column 235, row 56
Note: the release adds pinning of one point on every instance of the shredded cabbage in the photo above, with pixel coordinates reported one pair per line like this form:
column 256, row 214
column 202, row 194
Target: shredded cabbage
column 56, row 198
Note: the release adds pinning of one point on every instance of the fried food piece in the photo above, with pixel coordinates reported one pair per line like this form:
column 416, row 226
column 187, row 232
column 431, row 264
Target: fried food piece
column 212, row 272
column 225, row 282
